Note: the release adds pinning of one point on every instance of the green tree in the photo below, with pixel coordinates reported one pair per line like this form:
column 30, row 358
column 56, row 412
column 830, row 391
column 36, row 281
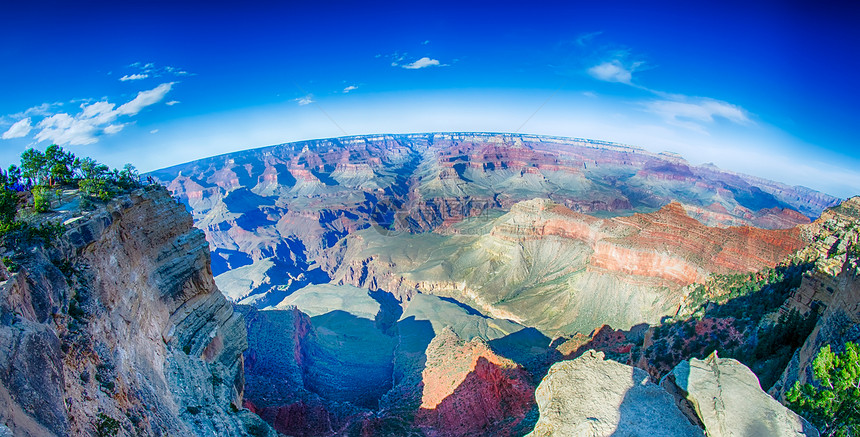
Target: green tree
column 34, row 165
column 59, row 164
column 834, row 404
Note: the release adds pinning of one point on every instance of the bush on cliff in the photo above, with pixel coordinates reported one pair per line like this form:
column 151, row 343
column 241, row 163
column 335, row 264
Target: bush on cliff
column 833, row 405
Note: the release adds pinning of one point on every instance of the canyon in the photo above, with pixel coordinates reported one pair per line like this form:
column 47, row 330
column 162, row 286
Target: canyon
column 449, row 284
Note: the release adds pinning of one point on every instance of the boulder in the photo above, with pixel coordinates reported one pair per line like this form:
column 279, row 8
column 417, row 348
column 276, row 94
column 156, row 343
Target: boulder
column 727, row 398
column 591, row 396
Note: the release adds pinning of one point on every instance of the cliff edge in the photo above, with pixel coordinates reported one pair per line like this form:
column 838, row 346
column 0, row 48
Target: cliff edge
column 117, row 327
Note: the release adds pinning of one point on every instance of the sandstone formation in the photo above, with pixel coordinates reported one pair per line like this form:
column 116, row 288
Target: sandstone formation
column 119, row 326
column 728, row 400
column 590, row 396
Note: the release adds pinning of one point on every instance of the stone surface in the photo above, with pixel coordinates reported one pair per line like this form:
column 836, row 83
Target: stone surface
column 728, row 400
column 121, row 319
column 590, row 396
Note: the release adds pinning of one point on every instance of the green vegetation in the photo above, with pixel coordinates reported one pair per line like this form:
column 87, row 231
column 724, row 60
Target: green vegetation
column 833, row 404
column 739, row 315
column 106, row 426
column 42, row 176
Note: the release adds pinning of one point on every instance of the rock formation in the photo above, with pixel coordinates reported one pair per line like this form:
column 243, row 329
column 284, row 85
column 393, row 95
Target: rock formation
column 118, row 326
column 831, row 289
column 590, row 396
column 726, row 397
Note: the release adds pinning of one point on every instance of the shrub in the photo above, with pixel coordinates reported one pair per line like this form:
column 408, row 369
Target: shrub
column 834, row 404
column 106, row 426
column 42, row 197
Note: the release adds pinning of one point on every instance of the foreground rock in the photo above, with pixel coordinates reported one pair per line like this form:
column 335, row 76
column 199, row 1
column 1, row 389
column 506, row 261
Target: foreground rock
column 119, row 328
column 727, row 398
column 590, row 396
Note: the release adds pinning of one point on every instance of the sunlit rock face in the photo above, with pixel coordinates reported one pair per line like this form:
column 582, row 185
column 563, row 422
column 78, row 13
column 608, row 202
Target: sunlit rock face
column 121, row 320
column 597, row 397
column 724, row 396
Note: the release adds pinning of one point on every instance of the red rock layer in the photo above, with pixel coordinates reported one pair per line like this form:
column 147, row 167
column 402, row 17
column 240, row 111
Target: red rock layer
column 667, row 244
column 469, row 389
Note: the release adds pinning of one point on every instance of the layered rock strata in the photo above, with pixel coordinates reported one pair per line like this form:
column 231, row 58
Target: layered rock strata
column 119, row 326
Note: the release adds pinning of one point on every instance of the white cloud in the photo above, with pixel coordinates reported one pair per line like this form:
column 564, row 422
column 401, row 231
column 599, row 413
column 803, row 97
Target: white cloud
column 154, row 131
column 136, row 76
column 19, row 129
column 113, row 128
column 423, row 63
column 96, row 118
column 172, row 102
column 350, row 88
column 306, row 100
column 690, row 112
column 613, row 71
column 144, row 99
column 65, row 129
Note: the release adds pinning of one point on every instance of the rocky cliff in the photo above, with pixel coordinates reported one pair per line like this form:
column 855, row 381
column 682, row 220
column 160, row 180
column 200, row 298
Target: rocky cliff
column 117, row 326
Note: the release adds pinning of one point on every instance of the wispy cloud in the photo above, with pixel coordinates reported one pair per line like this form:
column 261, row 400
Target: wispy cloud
column 306, row 100
column 691, row 112
column 154, row 131
column 96, row 118
column 349, row 88
column 426, row 41
column 18, row 130
column 612, row 71
column 423, row 63
column 172, row 102
column 144, row 99
column 136, row 76
column 149, row 69
column 585, row 39
column 618, row 64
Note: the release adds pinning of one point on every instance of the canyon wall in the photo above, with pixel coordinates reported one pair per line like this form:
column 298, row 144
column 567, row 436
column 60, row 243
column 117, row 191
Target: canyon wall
column 117, row 326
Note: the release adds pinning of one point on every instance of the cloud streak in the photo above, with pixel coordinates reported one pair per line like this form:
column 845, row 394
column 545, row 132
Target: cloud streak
column 20, row 129
column 690, row 112
column 349, row 88
column 136, row 76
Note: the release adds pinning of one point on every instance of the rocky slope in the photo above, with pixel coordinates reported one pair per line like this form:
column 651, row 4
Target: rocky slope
column 118, row 327
column 545, row 266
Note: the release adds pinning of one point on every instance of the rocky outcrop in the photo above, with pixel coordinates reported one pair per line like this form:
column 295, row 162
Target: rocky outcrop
column 590, row 396
column 468, row 389
column 831, row 289
column 726, row 397
column 119, row 326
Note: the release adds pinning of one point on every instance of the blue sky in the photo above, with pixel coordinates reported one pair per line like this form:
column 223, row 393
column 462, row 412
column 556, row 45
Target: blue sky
column 765, row 88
